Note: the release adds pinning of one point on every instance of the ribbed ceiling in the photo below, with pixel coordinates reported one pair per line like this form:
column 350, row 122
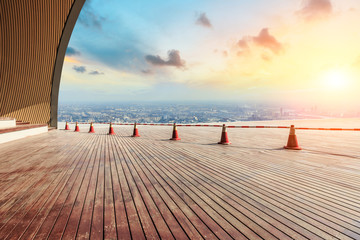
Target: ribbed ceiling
column 30, row 33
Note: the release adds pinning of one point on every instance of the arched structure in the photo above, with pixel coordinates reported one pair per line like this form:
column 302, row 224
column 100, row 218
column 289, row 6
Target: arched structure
column 33, row 39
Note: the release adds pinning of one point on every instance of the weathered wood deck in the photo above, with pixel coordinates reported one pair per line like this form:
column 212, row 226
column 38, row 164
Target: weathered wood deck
column 70, row 185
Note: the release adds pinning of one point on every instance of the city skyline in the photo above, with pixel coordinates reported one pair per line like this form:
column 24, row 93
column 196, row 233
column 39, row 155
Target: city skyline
column 152, row 112
column 299, row 52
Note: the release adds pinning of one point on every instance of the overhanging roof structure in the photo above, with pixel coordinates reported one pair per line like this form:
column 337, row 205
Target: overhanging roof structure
column 33, row 39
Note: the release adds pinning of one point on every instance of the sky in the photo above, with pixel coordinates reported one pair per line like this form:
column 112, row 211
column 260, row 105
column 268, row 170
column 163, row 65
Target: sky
column 297, row 52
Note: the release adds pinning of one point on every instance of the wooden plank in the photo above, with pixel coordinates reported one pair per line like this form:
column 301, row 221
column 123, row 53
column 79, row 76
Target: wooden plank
column 97, row 224
column 330, row 230
column 209, row 174
column 170, row 154
column 22, row 168
column 74, row 218
column 110, row 229
column 230, row 208
column 136, row 228
column 266, row 186
column 27, row 204
column 185, row 224
column 37, row 221
column 199, row 197
column 122, row 224
column 84, row 227
column 63, row 216
column 77, row 185
column 52, row 216
column 152, row 209
column 171, row 221
column 145, row 219
column 189, row 208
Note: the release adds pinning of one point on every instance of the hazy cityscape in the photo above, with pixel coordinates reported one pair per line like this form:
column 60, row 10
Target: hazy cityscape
column 188, row 112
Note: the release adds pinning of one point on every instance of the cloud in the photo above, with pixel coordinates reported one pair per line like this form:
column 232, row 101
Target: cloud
column 203, row 20
column 266, row 58
column 120, row 49
column 243, row 43
column 117, row 55
column 89, row 18
column 96, row 72
column 266, row 40
column 174, row 59
column 72, row 52
column 79, row 69
column 147, row 71
column 240, row 53
column 315, row 10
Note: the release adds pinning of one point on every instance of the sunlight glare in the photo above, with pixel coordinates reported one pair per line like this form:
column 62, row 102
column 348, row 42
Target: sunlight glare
column 336, row 79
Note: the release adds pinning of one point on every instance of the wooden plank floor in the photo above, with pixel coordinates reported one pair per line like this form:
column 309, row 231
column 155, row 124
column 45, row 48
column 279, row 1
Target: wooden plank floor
column 67, row 185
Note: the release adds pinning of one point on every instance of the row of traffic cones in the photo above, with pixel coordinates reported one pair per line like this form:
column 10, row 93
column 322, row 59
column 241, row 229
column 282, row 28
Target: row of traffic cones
column 291, row 144
column 224, row 140
column 111, row 129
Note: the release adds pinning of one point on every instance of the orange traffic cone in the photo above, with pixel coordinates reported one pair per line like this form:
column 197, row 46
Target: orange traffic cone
column 175, row 135
column 91, row 130
column 77, row 129
column 111, row 130
column 292, row 141
column 224, row 137
column 67, row 126
column 136, row 131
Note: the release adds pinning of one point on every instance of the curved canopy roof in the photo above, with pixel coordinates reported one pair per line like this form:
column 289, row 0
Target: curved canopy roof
column 33, row 39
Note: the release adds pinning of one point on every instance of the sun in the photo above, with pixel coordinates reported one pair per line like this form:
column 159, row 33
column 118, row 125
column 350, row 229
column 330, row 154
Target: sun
column 336, row 79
